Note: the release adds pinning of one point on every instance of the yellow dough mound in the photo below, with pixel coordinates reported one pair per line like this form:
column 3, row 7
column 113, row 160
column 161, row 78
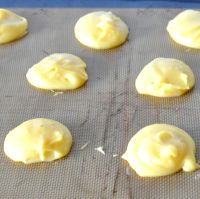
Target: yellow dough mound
column 165, row 77
column 38, row 140
column 159, row 150
column 12, row 26
column 58, row 72
column 101, row 30
column 185, row 28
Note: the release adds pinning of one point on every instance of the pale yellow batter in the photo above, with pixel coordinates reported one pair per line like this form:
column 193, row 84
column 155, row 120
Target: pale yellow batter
column 165, row 77
column 159, row 150
column 101, row 30
column 58, row 72
column 12, row 26
column 38, row 140
column 185, row 28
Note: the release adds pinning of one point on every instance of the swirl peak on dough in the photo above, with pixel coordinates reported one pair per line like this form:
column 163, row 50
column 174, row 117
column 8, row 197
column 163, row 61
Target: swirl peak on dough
column 58, row 72
column 185, row 28
column 101, row 30
column 165, row 77
column 159, row 150
column 12, row 26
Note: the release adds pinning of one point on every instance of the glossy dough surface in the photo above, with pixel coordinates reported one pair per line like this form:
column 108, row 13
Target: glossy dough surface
column 38, row 140
column 165, row 77
column 101, row 30
column 185, row 28
column 12, row 26
column 159, row 150
column 59, row 72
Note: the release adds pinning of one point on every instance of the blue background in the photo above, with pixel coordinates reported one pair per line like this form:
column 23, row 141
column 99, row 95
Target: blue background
column 100, row 3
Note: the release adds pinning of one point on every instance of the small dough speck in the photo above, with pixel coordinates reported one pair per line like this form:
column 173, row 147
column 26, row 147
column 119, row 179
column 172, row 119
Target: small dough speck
column 101, row 30
column 12, row 26
column 165, row 77
column 38, row 140
column 58, row 72
column 159, row 150
column 185, row 28
column 100, row 149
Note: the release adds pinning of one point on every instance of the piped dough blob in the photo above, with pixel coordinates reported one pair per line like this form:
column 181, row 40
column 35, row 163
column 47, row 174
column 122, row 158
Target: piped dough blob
column 165, row 77
column 38, row 140
column 101, row 30
column 58, row 72
column 185, row 28
column 12, row 26
column 159, row 150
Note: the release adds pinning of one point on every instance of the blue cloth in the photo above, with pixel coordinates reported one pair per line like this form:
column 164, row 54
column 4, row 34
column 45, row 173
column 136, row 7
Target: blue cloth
column 99, row 3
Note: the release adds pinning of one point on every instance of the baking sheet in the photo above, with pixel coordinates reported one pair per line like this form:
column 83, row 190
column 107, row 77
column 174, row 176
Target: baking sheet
column 106, row 112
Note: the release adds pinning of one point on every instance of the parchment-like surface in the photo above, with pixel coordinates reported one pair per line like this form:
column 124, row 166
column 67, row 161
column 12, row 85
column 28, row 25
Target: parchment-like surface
column 106, row 112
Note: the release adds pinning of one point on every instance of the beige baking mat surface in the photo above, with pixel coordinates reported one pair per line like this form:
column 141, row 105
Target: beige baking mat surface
column 106, row 112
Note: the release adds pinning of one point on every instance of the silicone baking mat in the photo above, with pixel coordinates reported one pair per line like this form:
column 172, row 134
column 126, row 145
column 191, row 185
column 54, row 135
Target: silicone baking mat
column 106, row 112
